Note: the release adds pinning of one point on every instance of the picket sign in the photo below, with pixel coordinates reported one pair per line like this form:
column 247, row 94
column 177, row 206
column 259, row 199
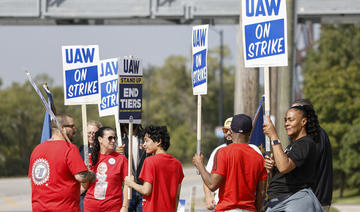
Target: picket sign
column 265, row 40
column 81, row 84
column 199, row 72
column 108, row 102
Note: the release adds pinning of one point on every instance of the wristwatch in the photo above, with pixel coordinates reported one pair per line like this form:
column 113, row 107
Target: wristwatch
column 276, row 141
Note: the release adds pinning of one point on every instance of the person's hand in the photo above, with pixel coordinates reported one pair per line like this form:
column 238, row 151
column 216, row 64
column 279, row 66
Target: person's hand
column 124, row 209
column 198, row 160
column 120, row 149
column 269, row 129
column 210, row 203
column 269, row 163
column 128, row 180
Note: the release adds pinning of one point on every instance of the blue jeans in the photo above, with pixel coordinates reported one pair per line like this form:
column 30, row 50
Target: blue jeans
column 135, row 204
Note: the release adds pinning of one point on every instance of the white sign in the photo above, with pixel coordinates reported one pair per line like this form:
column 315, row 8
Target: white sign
column 264, row 32
column 80, row 65
column 199, row 53
column 109, row 87
column 130, row 90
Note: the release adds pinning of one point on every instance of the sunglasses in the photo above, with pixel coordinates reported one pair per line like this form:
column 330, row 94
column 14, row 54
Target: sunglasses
column 110, row 138
column 70, row 125
column 226, row 130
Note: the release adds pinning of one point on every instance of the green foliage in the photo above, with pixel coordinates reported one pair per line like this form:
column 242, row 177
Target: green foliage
column 349, row 156
column 332, row 78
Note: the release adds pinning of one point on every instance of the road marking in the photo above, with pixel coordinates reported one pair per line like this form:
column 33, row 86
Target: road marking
column 9, row 201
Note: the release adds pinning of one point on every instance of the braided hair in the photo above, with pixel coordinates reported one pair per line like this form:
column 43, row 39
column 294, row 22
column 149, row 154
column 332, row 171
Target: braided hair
column 312, row 126
column 157, row 133
column 96, row 150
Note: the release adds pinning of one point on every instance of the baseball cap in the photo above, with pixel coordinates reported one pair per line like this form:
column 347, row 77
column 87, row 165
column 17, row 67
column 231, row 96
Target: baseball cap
column 227, row 122
column 241, row 123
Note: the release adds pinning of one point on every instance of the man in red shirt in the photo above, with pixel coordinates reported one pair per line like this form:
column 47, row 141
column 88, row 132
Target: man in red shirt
column 56, row 170
column 162, row 173
column 238, row 171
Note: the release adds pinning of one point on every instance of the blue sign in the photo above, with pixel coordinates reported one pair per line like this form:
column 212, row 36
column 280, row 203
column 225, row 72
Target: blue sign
column 109, row 94
column 199, row 68
column 199, row 52
column 81, row 82
column 268, row 39
column 264, row 33
column 80, row 71
column 109, row 87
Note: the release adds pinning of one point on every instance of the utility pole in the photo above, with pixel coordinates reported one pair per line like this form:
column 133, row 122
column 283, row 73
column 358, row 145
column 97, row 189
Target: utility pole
column 246, row 82
column 221, row 98
column 284, row 89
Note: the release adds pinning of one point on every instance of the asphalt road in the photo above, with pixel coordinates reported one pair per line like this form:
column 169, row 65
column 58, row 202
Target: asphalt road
column 15, row 194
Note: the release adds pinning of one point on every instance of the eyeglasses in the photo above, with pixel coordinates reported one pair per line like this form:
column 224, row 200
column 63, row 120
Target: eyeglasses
column 226, row 130
column 70, row 125
column 91, row 133
column 110, row 138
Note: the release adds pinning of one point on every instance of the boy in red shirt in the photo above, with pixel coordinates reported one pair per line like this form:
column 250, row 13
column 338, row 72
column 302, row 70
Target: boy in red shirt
column 238, row 171
column 162, row 173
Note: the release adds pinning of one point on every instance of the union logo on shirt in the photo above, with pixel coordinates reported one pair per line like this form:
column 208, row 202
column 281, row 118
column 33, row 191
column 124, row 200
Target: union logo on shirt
column 40, row 171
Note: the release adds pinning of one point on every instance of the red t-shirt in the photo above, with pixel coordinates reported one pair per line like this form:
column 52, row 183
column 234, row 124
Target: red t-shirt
column 106, row 193
column 53, row 165
column 242, row 167
column 165, row 173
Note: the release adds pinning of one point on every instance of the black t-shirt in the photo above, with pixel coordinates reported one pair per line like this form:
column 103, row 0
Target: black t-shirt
column 303, row 153
column 323, row 185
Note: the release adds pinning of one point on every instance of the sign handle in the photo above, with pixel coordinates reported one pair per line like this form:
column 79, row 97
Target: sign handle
column 118, row 129
column 85, row 137
column 198, row 136
column 267, row 103
column 130, row 138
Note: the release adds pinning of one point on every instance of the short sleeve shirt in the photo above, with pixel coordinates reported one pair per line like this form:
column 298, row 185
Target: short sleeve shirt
column 242, row 168
column 53, row 165
column 106, row 193
column 303, row 153
column 165, row 173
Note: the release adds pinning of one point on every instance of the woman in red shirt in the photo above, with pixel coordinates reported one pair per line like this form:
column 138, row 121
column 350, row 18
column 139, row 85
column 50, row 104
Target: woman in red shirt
column 106, row 194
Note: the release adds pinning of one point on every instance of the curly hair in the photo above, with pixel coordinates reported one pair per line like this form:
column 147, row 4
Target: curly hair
column 96, row 150
column 157, row 133
column 312, row 125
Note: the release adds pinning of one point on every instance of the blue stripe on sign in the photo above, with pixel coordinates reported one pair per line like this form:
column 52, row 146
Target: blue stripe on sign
column 265, row 39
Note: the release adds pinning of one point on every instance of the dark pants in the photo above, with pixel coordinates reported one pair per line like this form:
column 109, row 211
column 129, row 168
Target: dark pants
column 135, row 204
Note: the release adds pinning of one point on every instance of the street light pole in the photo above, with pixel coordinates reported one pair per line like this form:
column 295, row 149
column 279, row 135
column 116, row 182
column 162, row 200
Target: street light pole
column 221, row 78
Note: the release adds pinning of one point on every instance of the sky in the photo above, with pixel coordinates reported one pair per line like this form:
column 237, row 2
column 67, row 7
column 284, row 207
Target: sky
column 37, row 49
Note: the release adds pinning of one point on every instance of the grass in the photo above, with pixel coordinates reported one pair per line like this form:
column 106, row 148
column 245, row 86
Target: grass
column 332, row 209
column 351, row 196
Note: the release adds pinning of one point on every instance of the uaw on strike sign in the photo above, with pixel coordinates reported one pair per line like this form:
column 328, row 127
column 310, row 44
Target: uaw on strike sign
column 109, row 87
column 264, row 32
column 80, row 65
column 199, row 53
column 130, row 90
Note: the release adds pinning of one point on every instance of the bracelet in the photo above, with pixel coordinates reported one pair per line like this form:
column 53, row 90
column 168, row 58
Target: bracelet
column 124, row 206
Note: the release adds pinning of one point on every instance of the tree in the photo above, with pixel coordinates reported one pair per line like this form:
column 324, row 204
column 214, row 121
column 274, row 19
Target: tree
column 332, row 76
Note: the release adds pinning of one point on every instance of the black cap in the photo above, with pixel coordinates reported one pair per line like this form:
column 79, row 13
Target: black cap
column 241, row 123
